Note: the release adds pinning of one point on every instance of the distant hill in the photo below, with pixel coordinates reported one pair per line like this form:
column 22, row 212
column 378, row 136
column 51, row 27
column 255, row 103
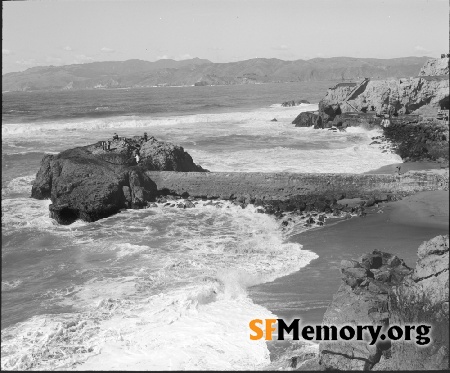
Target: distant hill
column 138, row 73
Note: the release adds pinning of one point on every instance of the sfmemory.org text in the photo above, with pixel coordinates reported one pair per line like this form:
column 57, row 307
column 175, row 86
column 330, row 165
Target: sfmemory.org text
column 372, row 333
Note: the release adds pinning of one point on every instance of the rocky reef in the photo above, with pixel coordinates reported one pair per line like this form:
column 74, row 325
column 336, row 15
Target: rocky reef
column 379, row 289
column 294, row 103
column 91, row 182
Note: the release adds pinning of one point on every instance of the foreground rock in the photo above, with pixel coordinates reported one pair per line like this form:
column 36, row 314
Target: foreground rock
column 380, row 289
column 91, row 183
column 423, row 298
column 361, row 300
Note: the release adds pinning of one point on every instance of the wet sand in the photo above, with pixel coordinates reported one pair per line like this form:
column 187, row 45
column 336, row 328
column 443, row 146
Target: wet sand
column 408, row 166
column 399, row 230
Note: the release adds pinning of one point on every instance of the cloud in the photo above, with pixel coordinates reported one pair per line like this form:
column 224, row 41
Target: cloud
column 67, row 48
column 107, row 50
column 186, row 56
column 6, row 52
column 282, row 47
column 163, row 57
column 419, row 48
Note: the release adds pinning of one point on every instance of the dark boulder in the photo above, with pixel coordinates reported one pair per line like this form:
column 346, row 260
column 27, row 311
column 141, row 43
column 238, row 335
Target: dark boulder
column 307, row 119
column 90, row 183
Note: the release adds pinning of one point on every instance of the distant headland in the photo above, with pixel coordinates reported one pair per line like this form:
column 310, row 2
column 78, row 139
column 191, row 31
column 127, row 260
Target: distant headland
column 201, row 72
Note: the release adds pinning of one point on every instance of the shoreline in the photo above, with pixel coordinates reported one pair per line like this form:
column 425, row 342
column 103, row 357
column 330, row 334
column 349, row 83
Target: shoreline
column 400, row 229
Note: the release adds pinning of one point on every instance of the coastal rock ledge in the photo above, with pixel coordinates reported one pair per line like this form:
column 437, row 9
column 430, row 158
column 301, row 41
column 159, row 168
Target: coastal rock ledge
column 90, row 183
column 380, row 289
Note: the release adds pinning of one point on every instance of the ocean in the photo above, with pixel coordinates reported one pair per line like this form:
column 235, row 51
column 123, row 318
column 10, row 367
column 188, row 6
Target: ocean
column 160, row 288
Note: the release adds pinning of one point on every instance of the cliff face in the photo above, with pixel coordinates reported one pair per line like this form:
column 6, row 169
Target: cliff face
column 394, row 96
column 403, row 95
column 380, row 289
column 91, row 183
column 437, row 66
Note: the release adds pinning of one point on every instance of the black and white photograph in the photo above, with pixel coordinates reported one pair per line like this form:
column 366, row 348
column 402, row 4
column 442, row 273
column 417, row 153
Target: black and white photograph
column 219, row 185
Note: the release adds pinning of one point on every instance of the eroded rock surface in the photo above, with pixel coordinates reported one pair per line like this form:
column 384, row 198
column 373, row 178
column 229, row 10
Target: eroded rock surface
column 435, row 66
column 362, row 299
column 380, row 289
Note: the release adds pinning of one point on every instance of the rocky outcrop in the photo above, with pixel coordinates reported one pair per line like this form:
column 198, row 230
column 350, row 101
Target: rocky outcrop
column 362, row 299
column 393, row 96
column 380, row 289
column 308, row 119
column 435, row 67
column 423, row 298
column 90, row 183
column 401, row 96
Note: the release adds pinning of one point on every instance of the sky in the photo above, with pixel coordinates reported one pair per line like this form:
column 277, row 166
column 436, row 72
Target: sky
column 42, row 33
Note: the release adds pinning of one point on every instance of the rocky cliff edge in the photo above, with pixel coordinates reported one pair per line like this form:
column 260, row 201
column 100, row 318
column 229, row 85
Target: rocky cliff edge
column 380, row 289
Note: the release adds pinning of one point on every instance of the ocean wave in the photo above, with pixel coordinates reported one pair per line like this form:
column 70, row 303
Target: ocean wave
column 351, row 159
column 186, row 293
column 19, row 185
column 43, row 128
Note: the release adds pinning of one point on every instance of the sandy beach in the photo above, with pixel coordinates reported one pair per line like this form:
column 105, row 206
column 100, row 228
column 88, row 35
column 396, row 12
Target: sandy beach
column 399, row 229
column 407, row 166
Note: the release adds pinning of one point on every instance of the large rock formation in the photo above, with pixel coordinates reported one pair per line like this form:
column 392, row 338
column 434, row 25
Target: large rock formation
column 394, row 96
column 402, row 96
column 91, row 183
column 380, row 289
column 435, row 67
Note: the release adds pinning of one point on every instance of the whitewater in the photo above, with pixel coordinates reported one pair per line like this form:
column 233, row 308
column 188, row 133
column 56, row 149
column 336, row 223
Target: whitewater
column 161, row 288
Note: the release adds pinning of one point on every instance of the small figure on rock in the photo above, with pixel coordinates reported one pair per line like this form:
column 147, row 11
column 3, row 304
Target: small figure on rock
column 109, row 145
column 398, row 170
column 145, row 136
column 137, row 158
column 116, row 136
